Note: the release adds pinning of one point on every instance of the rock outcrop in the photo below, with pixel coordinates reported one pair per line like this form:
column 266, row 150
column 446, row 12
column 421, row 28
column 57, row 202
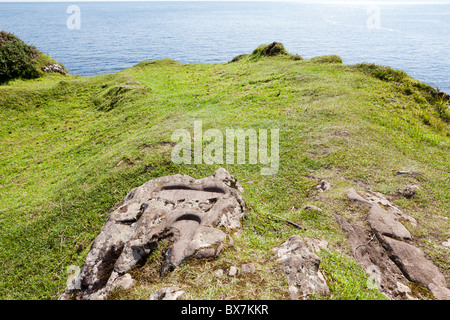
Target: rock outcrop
column 368, row 199
column 180, row 209
column 391, row 249
column 371, row 255
column 54, row 68
column 301, row 266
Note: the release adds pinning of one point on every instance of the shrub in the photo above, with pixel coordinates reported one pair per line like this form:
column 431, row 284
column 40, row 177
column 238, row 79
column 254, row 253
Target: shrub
column 442, row 107
column 270, row 50
column 17, row 59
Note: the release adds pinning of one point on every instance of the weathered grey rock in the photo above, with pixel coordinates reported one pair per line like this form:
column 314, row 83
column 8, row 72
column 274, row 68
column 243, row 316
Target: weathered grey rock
column 218, row 273
column 124, row 282
column 233, row 271
column 392, row 240
column 302, row 268
column 248, row 268
column 370, row 254
column 409, row 191
column 172, row 293
column 446, row 243
column 386, row 223
column 312, row 207
column 323, row 185
column 54, row 68
column 408, row 172
column 368, row 199
column 416, row 267
column 179, row 208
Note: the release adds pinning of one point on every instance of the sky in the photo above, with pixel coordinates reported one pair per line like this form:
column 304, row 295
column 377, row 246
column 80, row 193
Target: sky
column 305, row 1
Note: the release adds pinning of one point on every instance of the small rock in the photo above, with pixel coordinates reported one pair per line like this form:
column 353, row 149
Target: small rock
column 172, row 293
column 218, row 273
column 54, row 68
column 124, row 282
column 385, row 223
column 323, row 185
column 206, row 253
column 410, row 173
column 248, row 268
column 409, row 191
column 446, row 243
column 311, row 207
column 232, row 271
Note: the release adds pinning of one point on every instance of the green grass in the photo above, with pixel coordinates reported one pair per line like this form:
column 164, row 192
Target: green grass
column 71, row 148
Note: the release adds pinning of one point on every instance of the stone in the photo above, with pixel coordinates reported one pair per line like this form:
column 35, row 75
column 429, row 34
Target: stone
column 248, row 268
column 172, row 293
column 368, row 199
column 124, row 282
column 446, row 243
column 409, row 191
column 302, row 268
column 218, row 273
column 208, row 253
column 408, row 172
column 312, row 207
column 54, row 68
column 184, row 211
column 232, row 271
column 386, row 223
column 323, row 185
column 416, row 267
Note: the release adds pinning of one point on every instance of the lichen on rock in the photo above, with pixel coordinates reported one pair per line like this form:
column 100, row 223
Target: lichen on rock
column 301, row 265
column 186, row 211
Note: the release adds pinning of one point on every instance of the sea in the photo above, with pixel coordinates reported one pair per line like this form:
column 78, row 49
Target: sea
column 91, row 38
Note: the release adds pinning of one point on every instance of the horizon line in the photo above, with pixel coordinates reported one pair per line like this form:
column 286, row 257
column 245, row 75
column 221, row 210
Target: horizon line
column 359, row 2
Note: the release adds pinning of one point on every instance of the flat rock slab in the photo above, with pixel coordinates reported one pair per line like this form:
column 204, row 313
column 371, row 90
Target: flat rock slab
column 386, row 223
column 416, row 267
column 178, row 208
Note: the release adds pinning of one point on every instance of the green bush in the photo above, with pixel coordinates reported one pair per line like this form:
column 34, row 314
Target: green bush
column 269, row 50
column 16, row 58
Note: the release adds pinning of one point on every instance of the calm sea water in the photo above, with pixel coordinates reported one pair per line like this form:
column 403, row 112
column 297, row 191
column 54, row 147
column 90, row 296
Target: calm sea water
column 116, row 35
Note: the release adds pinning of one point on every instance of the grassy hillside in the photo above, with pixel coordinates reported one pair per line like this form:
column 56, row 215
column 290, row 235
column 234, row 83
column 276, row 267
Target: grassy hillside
column 71, row 148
